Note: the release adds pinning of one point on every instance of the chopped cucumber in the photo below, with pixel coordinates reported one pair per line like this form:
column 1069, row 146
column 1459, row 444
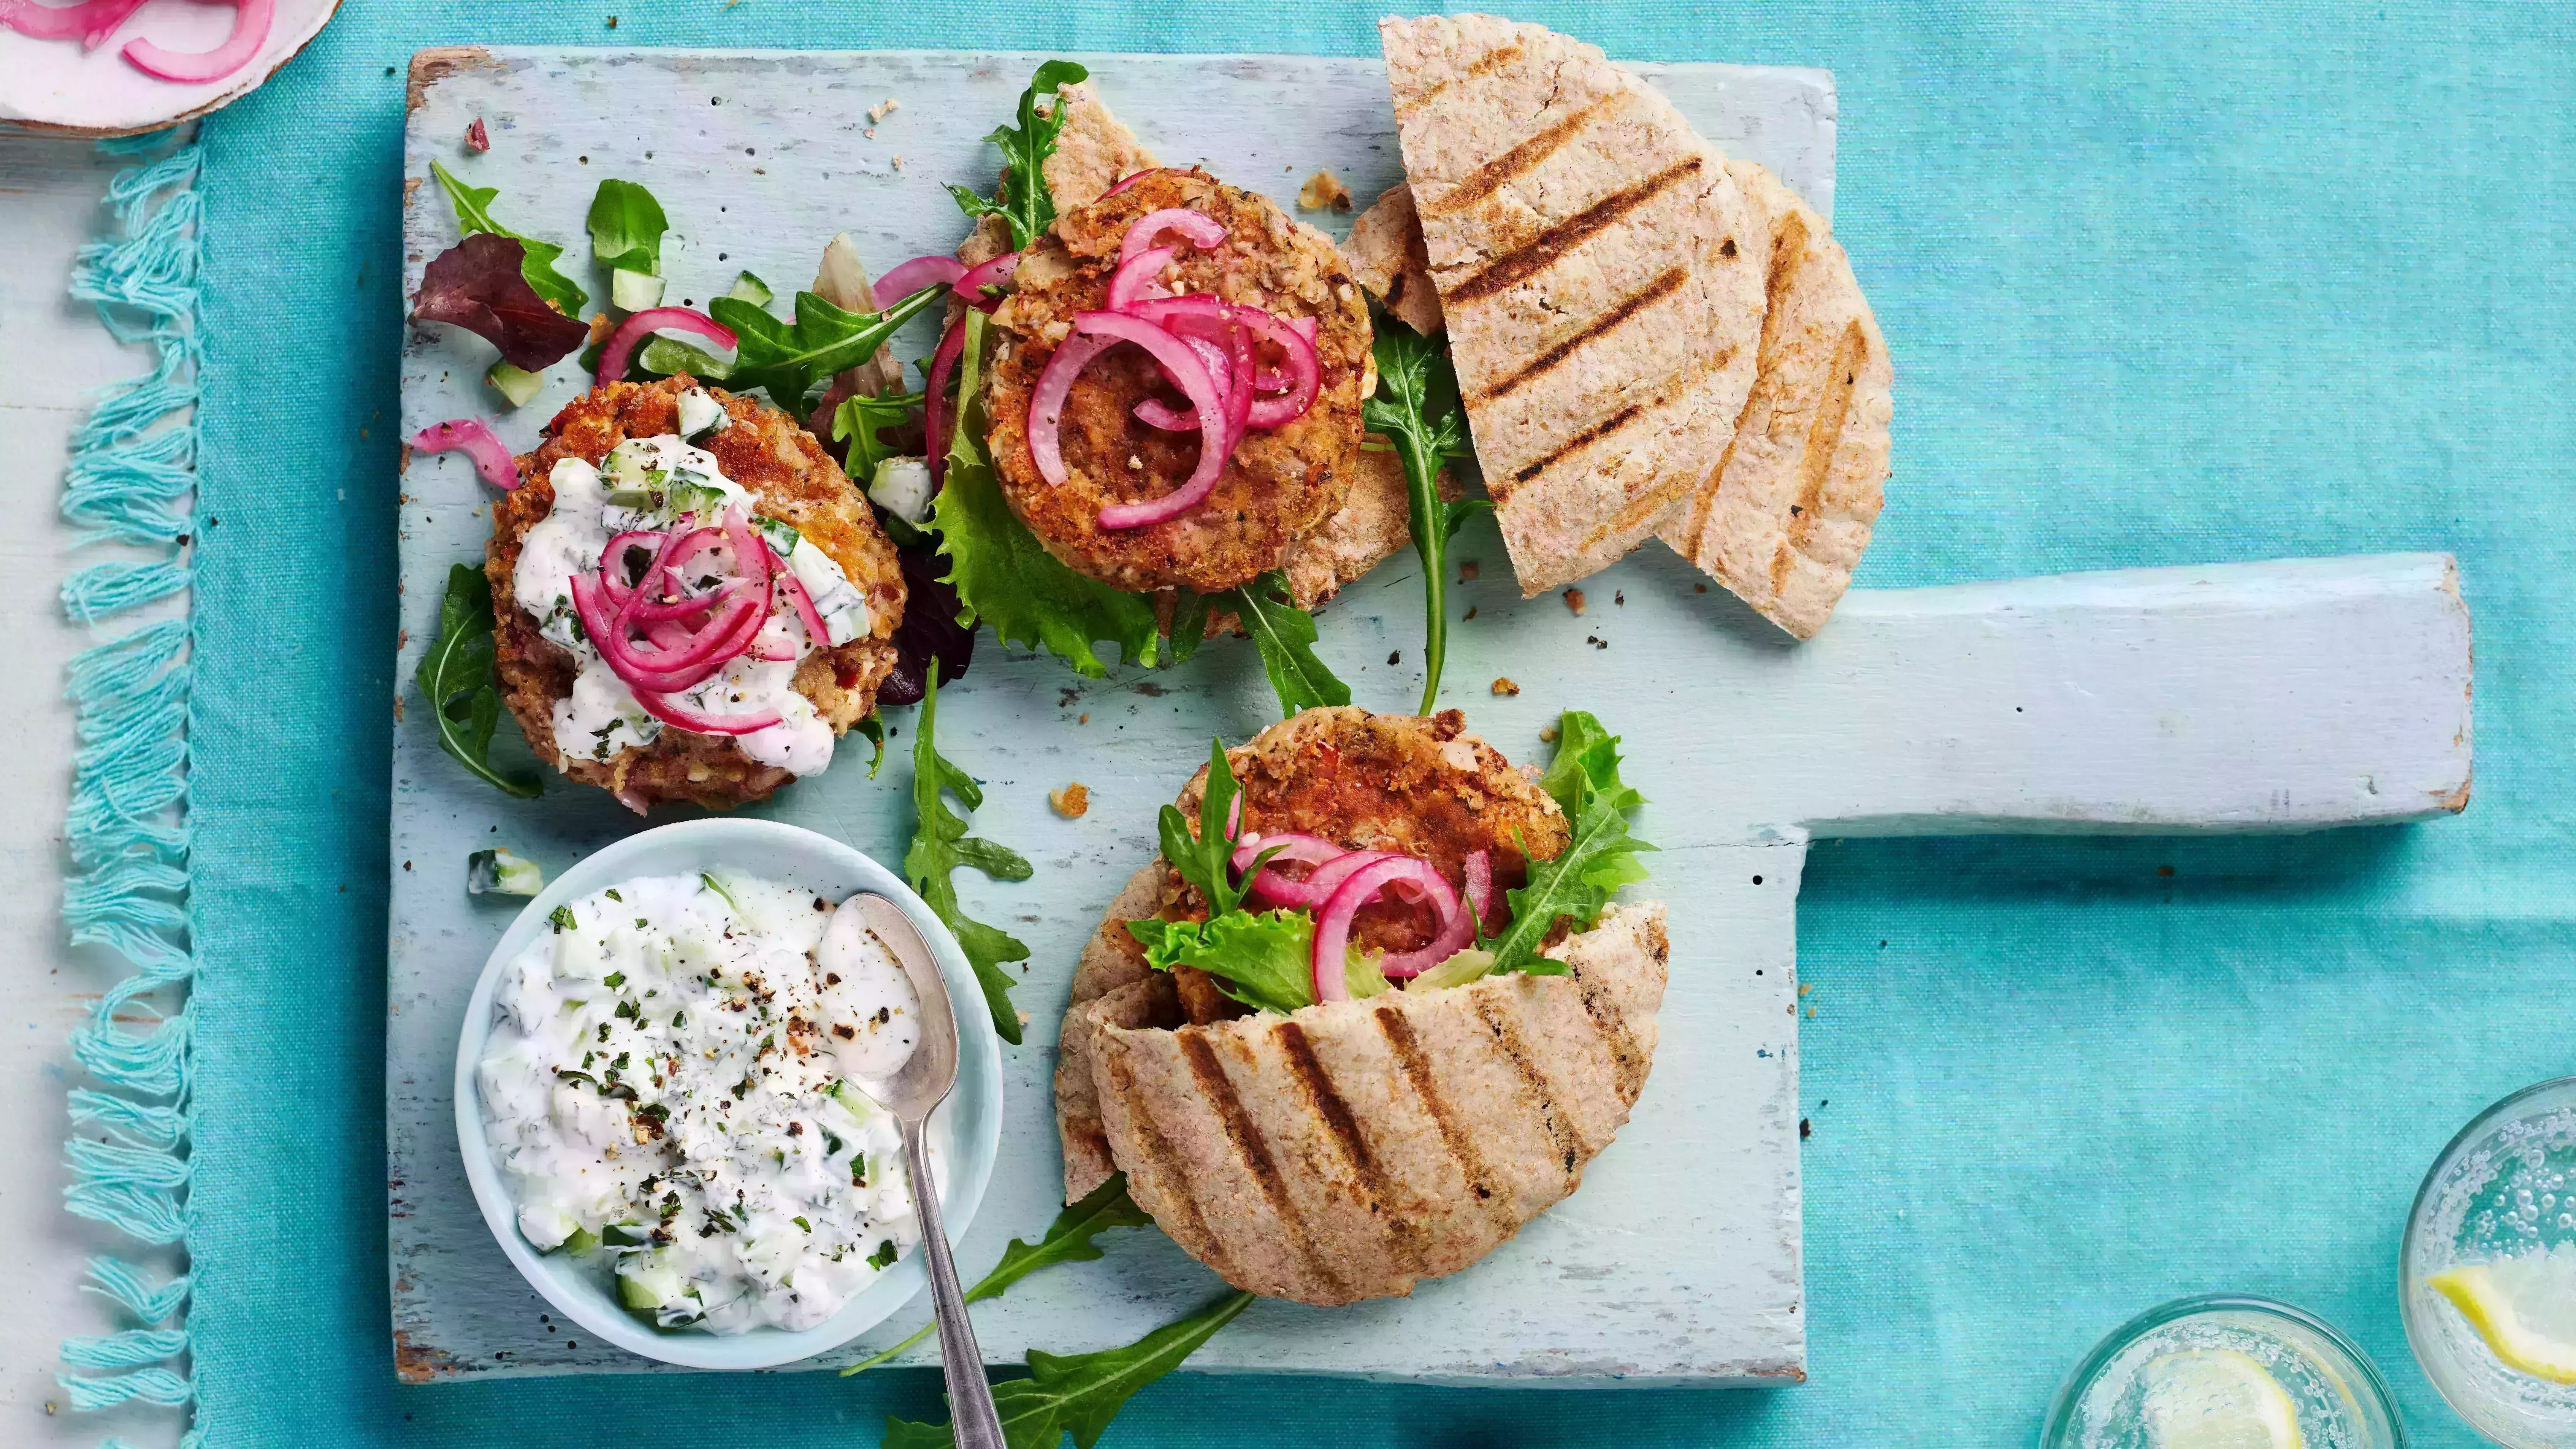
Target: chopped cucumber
column 583, row 1240
column 902, row 488
column 782, row 536
column 748, row 288
column 634, row 291
column 671, row 499
column 625, row 1235
column 700, row 413
column 498, row 872
column 517, row 384
column 664, row 356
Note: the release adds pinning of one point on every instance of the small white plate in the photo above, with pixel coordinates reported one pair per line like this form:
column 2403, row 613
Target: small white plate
column 52, row 85
column 965, row 1132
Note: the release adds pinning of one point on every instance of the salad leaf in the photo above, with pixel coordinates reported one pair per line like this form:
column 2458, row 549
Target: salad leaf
column 663, row 356
column 787, row 358
column 1417, row 409
column 1584, row 778
column 931, row 635
column 1079, row 1395
column 1024, row 204
column 626, row 227
column 1265, row 961
column 474, row 215
column 856, row 423
column 479, row 285
column 1068, row 1240
column 1285, row 634
column 1206, row 859
column 873, row 730
column 940, row 845
column 1002, row 574
column 456, row 676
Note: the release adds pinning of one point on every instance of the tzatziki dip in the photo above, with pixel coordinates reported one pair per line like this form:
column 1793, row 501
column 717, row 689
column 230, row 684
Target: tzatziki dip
column 674, row 1084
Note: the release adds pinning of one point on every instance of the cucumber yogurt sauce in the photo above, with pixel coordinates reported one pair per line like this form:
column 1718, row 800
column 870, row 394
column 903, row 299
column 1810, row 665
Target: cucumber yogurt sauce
column 646, row 483
column 674, row 1081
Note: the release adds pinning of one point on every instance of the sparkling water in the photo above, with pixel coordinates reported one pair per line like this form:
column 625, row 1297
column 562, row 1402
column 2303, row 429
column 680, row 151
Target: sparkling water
column 2504, row 1189
column 2114, row 1400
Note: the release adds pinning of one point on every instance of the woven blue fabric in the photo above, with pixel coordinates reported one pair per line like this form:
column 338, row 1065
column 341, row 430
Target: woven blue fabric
column 2164, row 284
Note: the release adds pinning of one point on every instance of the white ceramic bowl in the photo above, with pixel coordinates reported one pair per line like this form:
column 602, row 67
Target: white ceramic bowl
column 965, row 1132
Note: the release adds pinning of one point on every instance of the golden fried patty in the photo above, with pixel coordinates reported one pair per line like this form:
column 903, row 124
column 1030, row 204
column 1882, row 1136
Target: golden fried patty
column 1280, row 485
column 795, row 481
column 1404, row 783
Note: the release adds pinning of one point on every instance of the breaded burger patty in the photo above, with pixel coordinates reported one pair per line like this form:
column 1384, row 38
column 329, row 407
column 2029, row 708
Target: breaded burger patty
column 1403, row 783
column 1280, row 485
column 795, row 481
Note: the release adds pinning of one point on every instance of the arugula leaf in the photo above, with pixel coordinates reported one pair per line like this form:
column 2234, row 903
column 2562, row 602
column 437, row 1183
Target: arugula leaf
column 1002, row 574
column 856, row 423
column 873, row 730
column 1206, row 859
column 1584, row 778
column 785, row 358
column 940, row 844
column 1024, row 204
column 456, row 676
column 1068, row 1240
column 1417, row 409
column 626, row 227
column 1079, row 1395
column 474, row 214
column 1285, row 634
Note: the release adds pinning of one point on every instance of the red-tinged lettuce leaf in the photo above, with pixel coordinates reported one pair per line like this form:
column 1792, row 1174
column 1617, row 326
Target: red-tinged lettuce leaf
column 478, row 284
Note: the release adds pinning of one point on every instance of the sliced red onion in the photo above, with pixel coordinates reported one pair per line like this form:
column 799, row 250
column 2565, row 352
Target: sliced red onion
column 1131, row 179
column 1046, row 403
column 970, row 287
column 1202, row 230
column 1480, row 887
column 475, row 439
column 671, row 712
column 1184, row 367
column 1267, row 885
column 934, row 401
column 912, row 276
column 63, row 22
column 1195, row 316
column 1139, row 277
column 1333, row 921
column 806, row 613
column 622, row 342
column 250, row 31
column 773, row 648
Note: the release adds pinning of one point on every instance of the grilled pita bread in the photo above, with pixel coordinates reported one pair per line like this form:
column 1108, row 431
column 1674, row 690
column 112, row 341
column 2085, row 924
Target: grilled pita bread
column 1591, row 255
column 1784, row 517
column 1387, row 256
column 1354, row 1148
column 1112, row 962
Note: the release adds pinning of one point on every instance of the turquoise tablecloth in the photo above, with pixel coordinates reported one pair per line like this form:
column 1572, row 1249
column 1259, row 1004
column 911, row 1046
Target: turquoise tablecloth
column 2164, row 284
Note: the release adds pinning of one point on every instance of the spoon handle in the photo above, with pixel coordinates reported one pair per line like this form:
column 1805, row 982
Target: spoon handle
column 970, row 1395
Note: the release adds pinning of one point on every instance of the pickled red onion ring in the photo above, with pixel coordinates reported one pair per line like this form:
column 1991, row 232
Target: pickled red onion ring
column 806, row 613
column 1131, row 179
column 934, row 401
column 1480, row 888
column 1216, row 443
column 912, row 276
column 1202, row 230
column 92, row 20
column 970, row 287
column 1273, row 889
column 475, row 439
column 621, row 343
column 1046, row 403
column 1139, row 277
column 669, row 712
column 250, row 31
column 1333, row 922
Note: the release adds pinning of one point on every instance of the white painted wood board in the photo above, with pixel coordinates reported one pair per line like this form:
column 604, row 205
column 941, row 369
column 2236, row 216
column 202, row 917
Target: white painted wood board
column 2254, row 697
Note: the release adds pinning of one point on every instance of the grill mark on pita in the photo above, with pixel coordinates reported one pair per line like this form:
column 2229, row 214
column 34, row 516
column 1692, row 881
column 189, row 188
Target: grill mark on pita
column 1627, row 1072
column 1679, row 387
column 1416, row 1065
column 1515, row 267
column 1672, row 281
column 1494, row 175
column 1255, row 1150
column 1570, row 1148
column 1486, row 64
column 1336, row 1113
column 1824, row 439
column 1788, row 251
column 1165, row 1165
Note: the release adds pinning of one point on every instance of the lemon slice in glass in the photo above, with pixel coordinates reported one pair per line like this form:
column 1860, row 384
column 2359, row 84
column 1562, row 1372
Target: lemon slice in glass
column 2523, row 1306
column 2216, row 1398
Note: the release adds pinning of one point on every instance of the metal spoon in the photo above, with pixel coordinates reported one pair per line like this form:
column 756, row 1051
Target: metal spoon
column 918, row 1086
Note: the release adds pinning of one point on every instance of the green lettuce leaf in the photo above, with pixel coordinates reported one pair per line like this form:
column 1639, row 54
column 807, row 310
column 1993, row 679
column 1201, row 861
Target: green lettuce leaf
column 456, row 677
column 1285, row 635
column 626, row 228
column 857, row 422
column 474, row 214
column 940, row 844
column 1417, row 409
column 786, row 358
column 1023, row 202
column 1264, row 961
column 1068, row 1240
column 1079, row 1395
column 1584, row 779
column 1002, row 574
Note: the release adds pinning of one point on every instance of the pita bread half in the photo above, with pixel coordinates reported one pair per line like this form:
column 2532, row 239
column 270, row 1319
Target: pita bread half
column 1112, row 962
column 1784, row 517
column 1590, row 254
column 1351, row 1149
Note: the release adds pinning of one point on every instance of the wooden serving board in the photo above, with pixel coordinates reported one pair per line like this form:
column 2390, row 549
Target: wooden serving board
column 2254, row 697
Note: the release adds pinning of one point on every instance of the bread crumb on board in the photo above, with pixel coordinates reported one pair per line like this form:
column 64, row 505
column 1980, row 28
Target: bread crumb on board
column 883, row 109
column 1322, row 190
column 1072, row 801
column 1574, row 600
column 1506, row 687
